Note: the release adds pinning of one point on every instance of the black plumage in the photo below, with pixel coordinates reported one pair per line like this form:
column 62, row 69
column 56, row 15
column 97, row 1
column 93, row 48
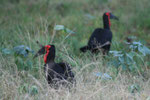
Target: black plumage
column 101, row 37
column 57, row 74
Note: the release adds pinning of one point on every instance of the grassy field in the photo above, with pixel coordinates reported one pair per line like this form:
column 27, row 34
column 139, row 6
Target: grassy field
column 23, row 22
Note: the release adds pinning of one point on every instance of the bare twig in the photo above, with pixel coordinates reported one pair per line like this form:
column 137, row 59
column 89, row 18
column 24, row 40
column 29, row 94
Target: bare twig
column 53, row 35
column 100, row 46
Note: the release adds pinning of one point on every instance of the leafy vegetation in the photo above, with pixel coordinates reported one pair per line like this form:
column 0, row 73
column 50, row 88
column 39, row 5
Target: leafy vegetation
column 68, row 24
column 132, row 58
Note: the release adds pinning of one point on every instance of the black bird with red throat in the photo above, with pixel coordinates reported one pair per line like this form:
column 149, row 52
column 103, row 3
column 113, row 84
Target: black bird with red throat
column 57, row 74
column 101, row 38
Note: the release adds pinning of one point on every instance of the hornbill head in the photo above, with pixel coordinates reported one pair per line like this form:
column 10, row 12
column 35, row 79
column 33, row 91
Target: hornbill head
column 48, row 50
column 106, row 19
column 111, row 16
column 40, row 52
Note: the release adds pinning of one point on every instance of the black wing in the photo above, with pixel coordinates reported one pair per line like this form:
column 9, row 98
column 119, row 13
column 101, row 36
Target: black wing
column 69, row 75
column 67, row 69
column 100, row 37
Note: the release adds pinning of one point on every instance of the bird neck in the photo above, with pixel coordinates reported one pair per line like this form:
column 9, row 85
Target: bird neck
column 49, row 61
column 106, row 21
column 49, row 57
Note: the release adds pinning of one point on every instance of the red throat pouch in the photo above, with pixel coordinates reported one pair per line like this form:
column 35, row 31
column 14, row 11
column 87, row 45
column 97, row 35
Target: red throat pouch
column 47, row 47
column 108, row 14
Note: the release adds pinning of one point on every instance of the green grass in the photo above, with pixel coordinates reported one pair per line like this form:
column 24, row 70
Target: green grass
column 24, row 22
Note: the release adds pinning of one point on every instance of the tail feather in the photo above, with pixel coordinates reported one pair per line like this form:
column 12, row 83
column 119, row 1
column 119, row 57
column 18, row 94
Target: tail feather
column 84, row 49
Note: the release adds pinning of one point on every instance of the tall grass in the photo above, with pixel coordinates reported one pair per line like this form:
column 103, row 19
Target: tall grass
column 23, row 23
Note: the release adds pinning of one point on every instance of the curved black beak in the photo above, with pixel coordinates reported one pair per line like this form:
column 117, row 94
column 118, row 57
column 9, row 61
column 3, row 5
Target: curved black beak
column 40, row 52
column 36, row 55
column 113, row 17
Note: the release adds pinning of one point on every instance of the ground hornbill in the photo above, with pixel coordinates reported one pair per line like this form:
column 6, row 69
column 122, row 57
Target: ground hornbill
column 101, row 38
column 57, row 74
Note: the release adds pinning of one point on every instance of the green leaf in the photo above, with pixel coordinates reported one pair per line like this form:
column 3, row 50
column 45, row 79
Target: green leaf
column 62, row 27
column 59, row 27
column 148, row 98
column 115, row 63
column 103, row 76
column 144, row 50
column 29, row 63
column 116, row 53
column 23, row 88
column 33, row 90
column 137, row 43
column 69, row 31
column 134, row 88
column 132, row 37
column 19, row 61
column 130, row 55
column 22, row 50
column 129, row 58
column 121, row 59
column 132, row 68
column 7, row 51
column 124, row 67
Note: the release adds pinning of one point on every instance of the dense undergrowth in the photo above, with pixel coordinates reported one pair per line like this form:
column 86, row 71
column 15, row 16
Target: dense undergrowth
column 125, row 71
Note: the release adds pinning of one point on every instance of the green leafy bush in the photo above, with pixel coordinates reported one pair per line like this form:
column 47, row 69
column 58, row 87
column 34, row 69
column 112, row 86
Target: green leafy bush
column 21, row 55
column 132, row 59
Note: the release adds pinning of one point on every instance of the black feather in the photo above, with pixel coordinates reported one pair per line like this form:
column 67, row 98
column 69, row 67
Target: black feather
column 100, row 38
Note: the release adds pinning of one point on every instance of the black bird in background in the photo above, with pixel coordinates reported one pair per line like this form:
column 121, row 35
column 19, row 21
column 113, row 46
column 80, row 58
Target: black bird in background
column 101, row 38
column 57, row 74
